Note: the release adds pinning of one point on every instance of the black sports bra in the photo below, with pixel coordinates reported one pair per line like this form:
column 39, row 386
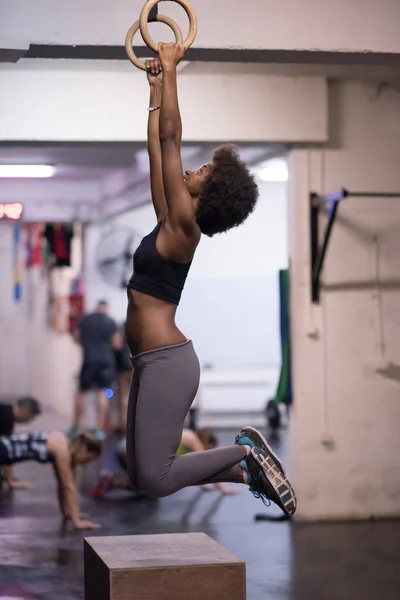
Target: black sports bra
column 25, row 446
column 155, row 275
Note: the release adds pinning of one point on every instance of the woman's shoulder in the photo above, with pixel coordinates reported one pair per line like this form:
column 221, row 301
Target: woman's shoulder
column 57, row 442
column 184, row 238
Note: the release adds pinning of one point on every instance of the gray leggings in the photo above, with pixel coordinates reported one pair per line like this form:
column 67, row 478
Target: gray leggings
column 164, row 385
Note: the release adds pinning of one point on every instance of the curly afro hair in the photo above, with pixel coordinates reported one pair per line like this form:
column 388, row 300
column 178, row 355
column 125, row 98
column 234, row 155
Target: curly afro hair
column 229, row 193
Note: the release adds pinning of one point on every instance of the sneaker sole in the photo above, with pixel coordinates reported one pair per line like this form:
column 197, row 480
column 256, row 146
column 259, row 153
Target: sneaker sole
column 267, row 446
column 279, row 482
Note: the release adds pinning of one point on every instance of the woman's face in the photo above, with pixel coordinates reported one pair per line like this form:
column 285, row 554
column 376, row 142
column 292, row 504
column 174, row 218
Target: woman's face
column 194, row 180
column 83, row 456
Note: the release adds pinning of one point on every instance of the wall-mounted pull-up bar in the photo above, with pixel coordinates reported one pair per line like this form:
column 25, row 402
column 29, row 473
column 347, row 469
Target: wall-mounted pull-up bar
column 318, row 252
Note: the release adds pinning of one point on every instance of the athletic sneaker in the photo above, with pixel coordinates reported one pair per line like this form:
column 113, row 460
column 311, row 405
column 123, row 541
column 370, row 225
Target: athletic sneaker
column 100, row 433
column 267, row 482
column 250, row 436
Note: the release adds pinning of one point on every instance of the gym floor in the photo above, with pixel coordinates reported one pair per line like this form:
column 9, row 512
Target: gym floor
column 285, row 561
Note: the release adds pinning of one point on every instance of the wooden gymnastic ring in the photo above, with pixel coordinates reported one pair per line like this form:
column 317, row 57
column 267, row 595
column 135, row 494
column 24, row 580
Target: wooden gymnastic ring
column 135, row 28
column 144, row 29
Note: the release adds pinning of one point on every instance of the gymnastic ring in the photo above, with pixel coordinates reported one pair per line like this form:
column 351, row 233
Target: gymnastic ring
column 144, row 29
column 135, row 28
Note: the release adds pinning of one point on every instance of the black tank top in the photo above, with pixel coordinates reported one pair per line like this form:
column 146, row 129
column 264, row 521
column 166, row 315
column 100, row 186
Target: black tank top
column 24, row 446
column 155, row 275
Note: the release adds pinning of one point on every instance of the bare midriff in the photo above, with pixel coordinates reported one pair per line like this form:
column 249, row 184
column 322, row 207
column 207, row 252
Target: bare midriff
column 150, row 323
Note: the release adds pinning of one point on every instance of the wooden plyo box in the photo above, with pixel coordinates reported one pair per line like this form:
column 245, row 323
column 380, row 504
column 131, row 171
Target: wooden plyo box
column 179, row 566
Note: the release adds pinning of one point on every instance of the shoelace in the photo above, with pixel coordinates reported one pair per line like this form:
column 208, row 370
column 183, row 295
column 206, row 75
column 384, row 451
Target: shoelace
column 256, row 481
column 268, row 494
column 265, row 500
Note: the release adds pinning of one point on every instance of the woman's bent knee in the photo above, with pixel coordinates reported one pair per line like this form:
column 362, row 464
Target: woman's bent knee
column 153, row 487
column 149, row 484
column 132, row 477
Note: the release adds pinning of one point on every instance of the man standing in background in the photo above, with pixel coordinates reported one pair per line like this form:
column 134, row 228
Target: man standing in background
column 23, row 410
column 98, row 335
column 124, row 374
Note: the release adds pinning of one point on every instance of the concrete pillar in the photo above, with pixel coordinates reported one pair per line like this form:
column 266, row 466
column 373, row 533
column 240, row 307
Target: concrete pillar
column 345, row 424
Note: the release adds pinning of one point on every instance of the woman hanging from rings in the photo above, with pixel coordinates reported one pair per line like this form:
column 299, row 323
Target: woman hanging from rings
column 213, row 199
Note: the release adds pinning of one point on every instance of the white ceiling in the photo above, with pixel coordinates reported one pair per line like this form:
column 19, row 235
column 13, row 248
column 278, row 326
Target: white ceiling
column 379, row 72
column 96, row 180
column 79, row 155
column 96, row 161
column 73, row 161
column 331, row 71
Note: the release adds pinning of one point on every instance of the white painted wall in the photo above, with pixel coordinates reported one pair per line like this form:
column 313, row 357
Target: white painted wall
column 230, row 303
column 34, row 359
column 337, row 346
column 258, row 247
column 14, row 351
column 41, row 102
column 355, row 25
